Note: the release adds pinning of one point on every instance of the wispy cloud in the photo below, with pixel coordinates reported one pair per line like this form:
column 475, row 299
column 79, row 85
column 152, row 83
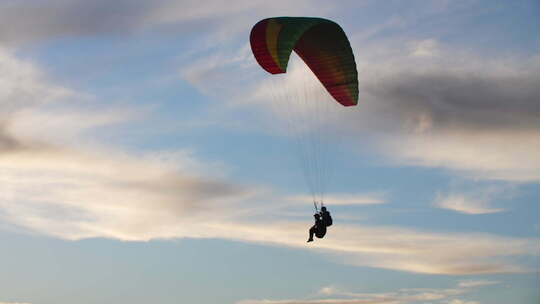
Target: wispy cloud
column 465, row 204
column 24, row 85
column 476, row 283
column 333, row 295
column 424, row 48
column 457, row 301
column 345, row 199
column 73, row 194
column 318, row 301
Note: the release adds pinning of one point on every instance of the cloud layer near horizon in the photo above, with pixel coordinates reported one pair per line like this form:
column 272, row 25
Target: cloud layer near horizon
column 333, row 295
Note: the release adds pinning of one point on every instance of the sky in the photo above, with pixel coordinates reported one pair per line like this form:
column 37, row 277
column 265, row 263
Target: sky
column 146, row 157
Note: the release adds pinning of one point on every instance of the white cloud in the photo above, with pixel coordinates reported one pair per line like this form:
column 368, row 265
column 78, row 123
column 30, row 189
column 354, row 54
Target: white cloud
column 457, row 301
column 424, row 48
column 328, row 290
column 493, row 155
column 319, row 301
column 401, row 296
column 72, row 194
column 23, row 85
column 69, row 125
column 476, row 283
column 465, row 204
column 342, row 199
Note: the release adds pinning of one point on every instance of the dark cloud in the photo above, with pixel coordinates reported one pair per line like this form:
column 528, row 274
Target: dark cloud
column 187, row 192
column 483, row 123
column 28, row 21
column 12, row 144
column 179, row 191
column 7, row 142
column 22, row 21
column 461, row 100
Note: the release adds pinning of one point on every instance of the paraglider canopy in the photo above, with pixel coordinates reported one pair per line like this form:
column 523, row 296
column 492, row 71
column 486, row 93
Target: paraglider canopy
column 321, row 44
column 308, row 108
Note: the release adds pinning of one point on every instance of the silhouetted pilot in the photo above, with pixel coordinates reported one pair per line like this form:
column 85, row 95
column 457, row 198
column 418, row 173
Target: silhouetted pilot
column 326, row 217
column 319, row 229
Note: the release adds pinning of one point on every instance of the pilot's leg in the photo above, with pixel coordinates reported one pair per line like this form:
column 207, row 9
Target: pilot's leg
column 311, row 233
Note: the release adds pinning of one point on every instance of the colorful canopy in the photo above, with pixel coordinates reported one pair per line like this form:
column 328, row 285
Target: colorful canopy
column 322, row 45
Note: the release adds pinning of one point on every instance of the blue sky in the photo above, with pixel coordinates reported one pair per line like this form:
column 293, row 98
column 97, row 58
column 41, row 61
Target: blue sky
column 143, row 158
